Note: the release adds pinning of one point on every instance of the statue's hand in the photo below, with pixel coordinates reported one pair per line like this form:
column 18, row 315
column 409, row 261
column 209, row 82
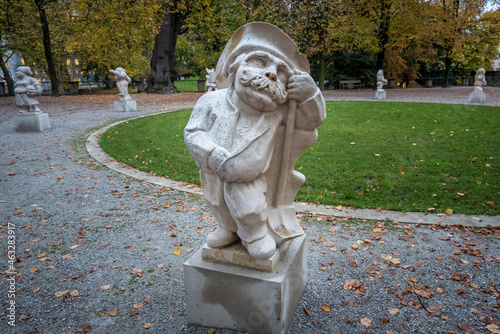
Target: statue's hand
column 301, row 87
column 216, row 157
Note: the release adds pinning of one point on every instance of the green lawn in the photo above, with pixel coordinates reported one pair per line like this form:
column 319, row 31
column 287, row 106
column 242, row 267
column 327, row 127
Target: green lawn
column 399, row 156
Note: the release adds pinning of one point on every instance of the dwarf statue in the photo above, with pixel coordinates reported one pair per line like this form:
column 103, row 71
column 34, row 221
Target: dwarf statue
column 122, row 81
column 247, row 136
column 480, row 80
column 210, row 80
column 381, row 81
column 27, row 88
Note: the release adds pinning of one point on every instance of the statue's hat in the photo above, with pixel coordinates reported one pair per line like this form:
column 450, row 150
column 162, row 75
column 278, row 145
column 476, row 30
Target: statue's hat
column 259, row 36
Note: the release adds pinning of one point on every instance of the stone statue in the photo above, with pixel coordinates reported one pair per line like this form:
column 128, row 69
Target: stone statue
column 478, row 96
column 247, row 136
column 26, row 89
column 122, row 81
column 479, row 80
column 211, row 80
column 381, row 81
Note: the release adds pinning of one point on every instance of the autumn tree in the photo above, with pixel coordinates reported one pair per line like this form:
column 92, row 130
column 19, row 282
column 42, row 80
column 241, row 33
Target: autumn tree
column 207, row 29
column 315, row 27
column 455, row 24
column 114, row 33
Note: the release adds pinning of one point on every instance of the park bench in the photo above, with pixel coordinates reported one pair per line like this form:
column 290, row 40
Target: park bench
column 351, row 84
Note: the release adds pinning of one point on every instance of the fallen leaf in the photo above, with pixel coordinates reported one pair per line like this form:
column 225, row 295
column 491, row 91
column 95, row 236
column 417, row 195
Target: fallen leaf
column 105, row 287
column 365, row 322
column 133, row 312
column 307, row 311
column 74, row 293
column 493, row 328
column 147, row 325
column 113, row 313
column 393, row 311
column 61, row 293
column 177, row 251
column 34, row 269
column 23, row 317
column 325, row 308
column 148, row 300
column 138, row 305
column 136, row 271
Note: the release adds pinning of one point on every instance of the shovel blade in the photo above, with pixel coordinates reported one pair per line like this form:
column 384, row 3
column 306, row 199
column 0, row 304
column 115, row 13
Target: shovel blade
column 283, row 222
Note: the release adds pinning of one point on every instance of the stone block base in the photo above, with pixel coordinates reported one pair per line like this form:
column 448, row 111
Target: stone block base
column 380, row 95
column 226, row 296
column 237, row 254
column 32, row 123
column 479, row 97
column 125, row 105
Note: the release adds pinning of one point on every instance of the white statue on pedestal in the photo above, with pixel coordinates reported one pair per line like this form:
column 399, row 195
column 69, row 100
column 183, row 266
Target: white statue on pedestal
column 479, row 80
column 478, row 96
column 26, row 89
column 122, row 81
column 211, row 80
column 247, row 136
column 381, row 81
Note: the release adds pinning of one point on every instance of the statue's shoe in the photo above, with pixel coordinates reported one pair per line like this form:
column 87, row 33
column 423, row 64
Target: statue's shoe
column 221, row 238
column 263, row 248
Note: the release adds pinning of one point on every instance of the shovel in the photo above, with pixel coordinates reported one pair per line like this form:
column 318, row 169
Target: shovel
column 281, row 218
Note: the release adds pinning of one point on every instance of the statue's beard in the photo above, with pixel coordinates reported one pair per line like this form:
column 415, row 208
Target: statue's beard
column 258, row 82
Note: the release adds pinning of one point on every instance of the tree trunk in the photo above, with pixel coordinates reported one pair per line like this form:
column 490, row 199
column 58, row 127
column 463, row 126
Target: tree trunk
column 321, row 78
column 447, row 67
column 162, row 75
column 6, row 75
column 383, row 33
column 48, row 49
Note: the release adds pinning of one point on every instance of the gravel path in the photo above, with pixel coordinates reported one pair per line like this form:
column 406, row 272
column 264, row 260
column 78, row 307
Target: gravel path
column 94, row 248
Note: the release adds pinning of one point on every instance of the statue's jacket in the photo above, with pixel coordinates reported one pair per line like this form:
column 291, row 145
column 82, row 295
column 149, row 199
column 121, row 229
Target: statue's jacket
column 214, row 124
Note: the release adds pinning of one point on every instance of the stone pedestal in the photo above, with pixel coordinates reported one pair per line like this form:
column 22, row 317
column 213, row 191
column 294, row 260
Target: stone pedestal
column 479, row 97
column 32, row 123
column 236, row 254
column 226, row 296
column 380, row 95
column 123, row 105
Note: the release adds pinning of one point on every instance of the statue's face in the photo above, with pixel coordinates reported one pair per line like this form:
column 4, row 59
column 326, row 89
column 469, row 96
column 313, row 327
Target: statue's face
column 20, row 74
column 261, row 81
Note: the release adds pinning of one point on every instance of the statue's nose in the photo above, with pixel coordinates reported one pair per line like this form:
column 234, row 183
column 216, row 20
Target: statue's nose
column 271, row 74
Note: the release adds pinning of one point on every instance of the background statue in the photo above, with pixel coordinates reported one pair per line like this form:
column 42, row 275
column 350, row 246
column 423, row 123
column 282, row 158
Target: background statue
column 211, row 80
column 479, row 80
column 381, row 81
column 122, row 81
column 26, row 89
column 247, row 136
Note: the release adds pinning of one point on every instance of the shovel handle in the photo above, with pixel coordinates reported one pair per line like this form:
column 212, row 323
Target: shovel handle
column 286, row 151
